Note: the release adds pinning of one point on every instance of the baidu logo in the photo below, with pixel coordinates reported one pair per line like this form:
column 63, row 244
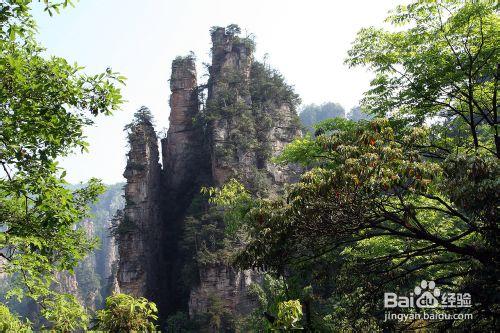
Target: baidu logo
column 427, row 295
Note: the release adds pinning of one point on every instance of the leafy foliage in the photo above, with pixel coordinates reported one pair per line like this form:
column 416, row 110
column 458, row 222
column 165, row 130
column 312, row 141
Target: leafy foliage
column 441, row 62
column 65, row 312
column 142, row 116
column 233, row 194
column 44, row 105
column 289, row 313
column 124, row 313
column 10, row 323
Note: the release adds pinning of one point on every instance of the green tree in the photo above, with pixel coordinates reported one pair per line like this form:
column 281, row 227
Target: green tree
column 289, row 314
column 142, row 116
column 410, row 195
column 442, row 62
column 124, row 313
column 44, row 105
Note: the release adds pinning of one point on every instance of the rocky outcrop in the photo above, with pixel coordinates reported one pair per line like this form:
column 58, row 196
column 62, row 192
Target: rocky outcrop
column 225, row 283
column 67, row 284
column 182, row 147
column 185, row 169
column 232, row 140
column 229, row 101
column 247, row 119
column 139, row 232
column 96, row 274
column 246, row 129
column 106, row 260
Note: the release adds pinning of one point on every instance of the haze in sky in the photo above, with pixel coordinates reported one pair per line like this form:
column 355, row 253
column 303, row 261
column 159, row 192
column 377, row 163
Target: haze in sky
column 307, row 41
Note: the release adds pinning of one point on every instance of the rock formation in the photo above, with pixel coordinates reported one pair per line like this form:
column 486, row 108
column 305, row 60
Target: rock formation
column 96, row 274
column 247, row 118
column 185, row 170
column 140, row 229
column 182, row 147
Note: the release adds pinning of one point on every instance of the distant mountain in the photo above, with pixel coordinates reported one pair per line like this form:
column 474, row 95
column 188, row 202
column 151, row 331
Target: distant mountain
column 356, row 114
column 312, row 114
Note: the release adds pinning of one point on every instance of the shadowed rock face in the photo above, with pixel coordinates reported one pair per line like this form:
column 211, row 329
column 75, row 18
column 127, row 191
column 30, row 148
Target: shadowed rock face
column 228, row 142
column 186, row 167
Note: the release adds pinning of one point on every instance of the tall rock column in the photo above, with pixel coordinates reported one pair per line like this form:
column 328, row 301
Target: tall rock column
column 229, row 103
column 185, row 168
column 171, row 244
column 232, row 137
column 138, row 234
column 250, row 120
column 181, row 149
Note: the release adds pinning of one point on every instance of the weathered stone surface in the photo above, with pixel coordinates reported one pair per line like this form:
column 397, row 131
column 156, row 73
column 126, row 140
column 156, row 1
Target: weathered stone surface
column 225, row 283
column 184, row 169
column 138, row 241
column 66, row 283
column 229, row 73
column 229, row 143
column 95, row 276
column 283, row 131
column 181, row 148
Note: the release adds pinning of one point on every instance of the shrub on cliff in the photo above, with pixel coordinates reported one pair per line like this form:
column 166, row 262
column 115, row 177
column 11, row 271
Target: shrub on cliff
column 11, row 323
column 125, row 313
column 142, row 116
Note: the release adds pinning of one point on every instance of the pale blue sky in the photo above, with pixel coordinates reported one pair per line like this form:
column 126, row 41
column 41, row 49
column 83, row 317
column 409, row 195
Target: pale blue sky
column 306, row 40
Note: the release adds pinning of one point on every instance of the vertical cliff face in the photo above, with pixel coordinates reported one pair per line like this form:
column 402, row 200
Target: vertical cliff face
column 232, row 140
column 248, row 124
column 229, row 103
column 96, row 274
column 182, row 148
column 139, row 232
column 186, row 167
column 253, row 120
column 174, row 250
column 93, row 275
column 276, row 124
